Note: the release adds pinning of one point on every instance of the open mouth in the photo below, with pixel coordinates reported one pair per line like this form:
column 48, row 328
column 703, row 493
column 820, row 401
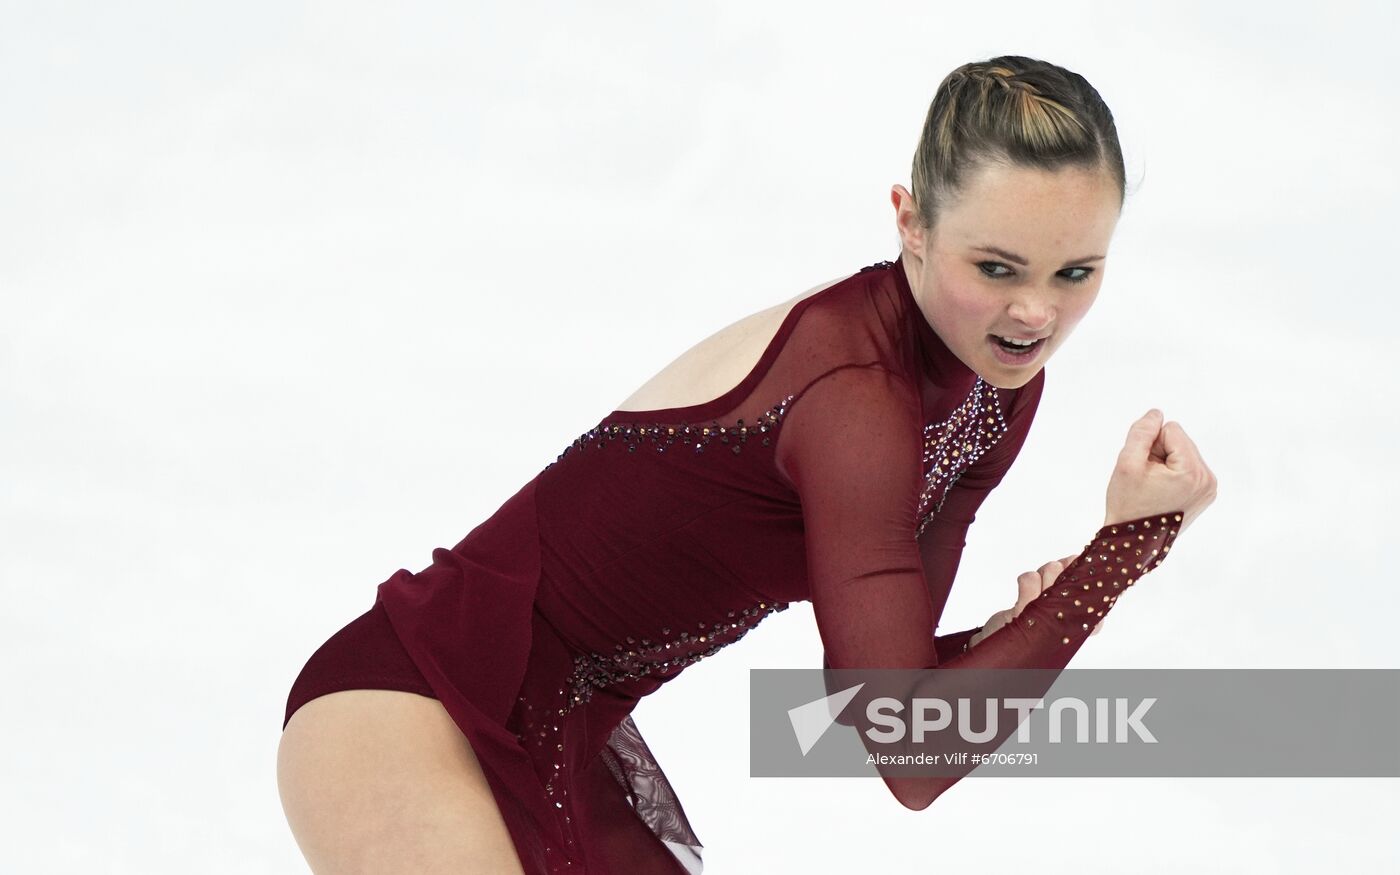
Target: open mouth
column 1014, row 352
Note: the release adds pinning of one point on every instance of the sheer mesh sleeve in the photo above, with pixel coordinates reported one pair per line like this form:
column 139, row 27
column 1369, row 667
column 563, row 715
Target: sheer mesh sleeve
column 851, row 449
column 1024, row 645
column 942, row 542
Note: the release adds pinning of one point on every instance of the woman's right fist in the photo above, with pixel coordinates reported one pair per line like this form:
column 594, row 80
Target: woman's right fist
column 1159, row 470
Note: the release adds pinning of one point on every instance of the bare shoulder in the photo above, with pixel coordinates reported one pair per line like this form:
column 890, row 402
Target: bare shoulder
column 717, row 363
column 764, row 323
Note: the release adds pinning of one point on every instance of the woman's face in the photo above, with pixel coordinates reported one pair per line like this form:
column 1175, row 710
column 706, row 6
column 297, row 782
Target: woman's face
column 1019, row 255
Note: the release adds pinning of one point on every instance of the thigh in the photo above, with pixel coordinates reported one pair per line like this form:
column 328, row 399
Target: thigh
column 383, row 781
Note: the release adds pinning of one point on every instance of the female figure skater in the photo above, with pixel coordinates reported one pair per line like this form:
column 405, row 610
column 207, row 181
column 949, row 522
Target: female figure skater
column 834, row 447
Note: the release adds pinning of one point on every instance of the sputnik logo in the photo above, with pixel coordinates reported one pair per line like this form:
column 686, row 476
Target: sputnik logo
column 811, row 721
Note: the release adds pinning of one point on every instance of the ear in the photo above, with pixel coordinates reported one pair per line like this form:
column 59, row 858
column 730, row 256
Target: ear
column 906, row 217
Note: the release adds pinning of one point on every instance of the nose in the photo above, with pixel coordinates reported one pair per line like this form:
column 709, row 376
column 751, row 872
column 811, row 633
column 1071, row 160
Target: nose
column 1033, row 311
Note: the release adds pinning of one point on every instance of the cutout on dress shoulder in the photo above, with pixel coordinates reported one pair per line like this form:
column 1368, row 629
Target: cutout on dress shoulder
column 706, row 409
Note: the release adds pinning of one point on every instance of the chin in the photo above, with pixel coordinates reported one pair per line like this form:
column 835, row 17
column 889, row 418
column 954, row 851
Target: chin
column 1009, row 378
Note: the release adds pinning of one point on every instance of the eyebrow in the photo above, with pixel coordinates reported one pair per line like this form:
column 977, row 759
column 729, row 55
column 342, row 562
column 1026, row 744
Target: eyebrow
column 1011, row 256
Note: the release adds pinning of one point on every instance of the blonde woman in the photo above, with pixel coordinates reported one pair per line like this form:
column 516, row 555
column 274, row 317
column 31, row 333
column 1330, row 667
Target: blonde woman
column 834, row 448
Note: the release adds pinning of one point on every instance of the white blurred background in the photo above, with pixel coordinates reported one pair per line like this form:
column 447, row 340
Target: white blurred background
column 292, row 293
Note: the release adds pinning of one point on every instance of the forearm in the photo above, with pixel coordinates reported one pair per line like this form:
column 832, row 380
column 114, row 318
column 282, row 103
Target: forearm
column 1050, row 630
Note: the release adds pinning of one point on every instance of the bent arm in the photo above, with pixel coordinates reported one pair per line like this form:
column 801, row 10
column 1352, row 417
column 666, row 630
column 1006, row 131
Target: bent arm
column 851, row 446
column 1051, row 629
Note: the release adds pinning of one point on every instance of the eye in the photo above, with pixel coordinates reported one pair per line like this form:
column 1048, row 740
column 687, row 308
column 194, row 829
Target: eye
column 987, row 266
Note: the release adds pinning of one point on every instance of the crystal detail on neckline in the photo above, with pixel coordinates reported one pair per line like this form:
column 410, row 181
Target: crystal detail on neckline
column 955, row 444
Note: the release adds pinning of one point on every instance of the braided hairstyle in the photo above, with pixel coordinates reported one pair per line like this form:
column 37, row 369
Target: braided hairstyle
column 1011, row 110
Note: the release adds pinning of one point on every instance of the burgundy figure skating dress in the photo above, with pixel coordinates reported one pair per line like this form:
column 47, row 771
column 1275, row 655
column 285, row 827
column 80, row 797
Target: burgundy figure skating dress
column 844, row 469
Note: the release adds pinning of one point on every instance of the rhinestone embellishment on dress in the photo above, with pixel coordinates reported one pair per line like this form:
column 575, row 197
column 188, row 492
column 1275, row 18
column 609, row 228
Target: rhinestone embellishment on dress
column 638, row 659
column 660, row 435
column 953, row 445
column 1115, row 546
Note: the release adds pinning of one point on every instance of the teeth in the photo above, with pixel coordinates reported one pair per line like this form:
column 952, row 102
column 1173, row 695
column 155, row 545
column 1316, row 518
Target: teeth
column 1017, row 342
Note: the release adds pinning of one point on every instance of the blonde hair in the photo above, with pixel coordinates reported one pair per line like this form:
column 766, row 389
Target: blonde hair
column 1010, row 110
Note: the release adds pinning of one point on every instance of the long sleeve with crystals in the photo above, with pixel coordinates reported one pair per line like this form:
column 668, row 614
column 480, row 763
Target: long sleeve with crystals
column 851, row 450
column 943, row 534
